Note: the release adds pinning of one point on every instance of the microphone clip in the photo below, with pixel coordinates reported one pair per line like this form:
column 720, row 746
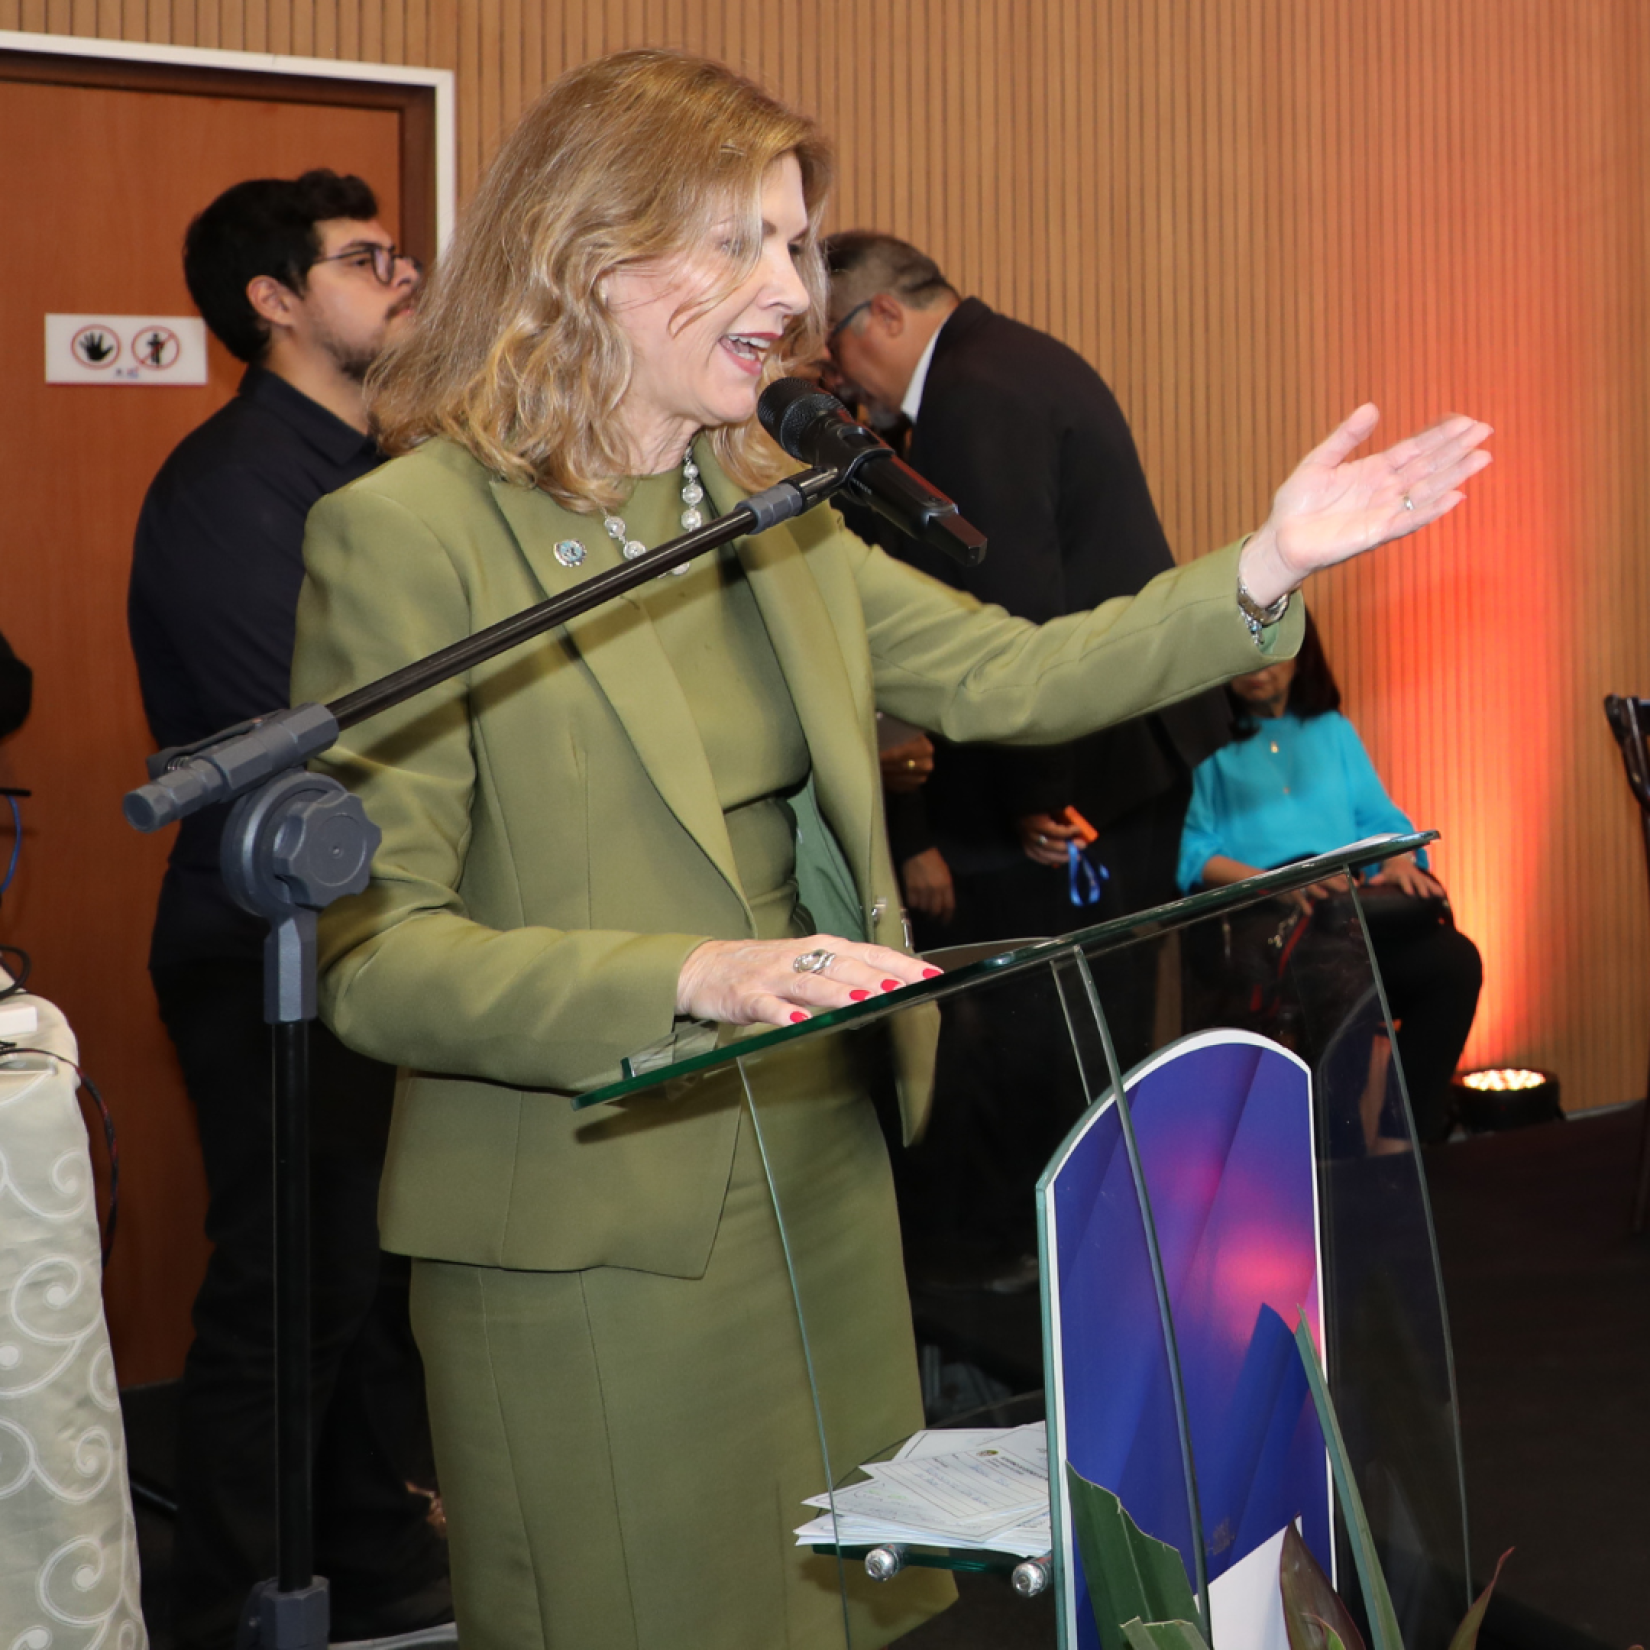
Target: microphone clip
column 819, row 430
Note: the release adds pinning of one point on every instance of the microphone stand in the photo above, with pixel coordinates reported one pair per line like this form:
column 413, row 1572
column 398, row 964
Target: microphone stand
column 293, row 843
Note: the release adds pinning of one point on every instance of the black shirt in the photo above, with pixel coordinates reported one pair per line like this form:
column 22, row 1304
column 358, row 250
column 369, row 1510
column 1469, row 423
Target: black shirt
column 216, row 570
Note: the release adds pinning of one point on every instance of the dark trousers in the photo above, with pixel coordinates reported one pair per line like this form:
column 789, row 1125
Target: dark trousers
column 1432, row 980
column 1006, row 1089
column 373, row 1539
column 1431, row 973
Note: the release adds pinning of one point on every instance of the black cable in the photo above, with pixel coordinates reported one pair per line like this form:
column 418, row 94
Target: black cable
column 19, row 975
column 11, row 797
column 109, row 1136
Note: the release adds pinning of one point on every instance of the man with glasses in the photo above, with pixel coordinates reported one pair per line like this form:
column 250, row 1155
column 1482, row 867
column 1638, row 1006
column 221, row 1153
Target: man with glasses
column 1021, row 431
column 300, row 280
column 1024, row 435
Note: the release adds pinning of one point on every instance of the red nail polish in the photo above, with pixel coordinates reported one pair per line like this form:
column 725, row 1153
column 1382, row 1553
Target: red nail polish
column 930, row 973
column 859, row 996
column 797, row 1017
column 890, row 985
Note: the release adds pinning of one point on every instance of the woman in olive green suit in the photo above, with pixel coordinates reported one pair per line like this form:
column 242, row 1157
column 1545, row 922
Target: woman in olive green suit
column 650, row 819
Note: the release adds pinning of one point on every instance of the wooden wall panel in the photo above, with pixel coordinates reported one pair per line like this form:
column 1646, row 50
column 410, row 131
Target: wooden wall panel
column 1251, row 215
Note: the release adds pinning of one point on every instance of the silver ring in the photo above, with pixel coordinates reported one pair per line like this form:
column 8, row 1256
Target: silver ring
column 1409, row 503
column 812, row 962
column 1043, row 840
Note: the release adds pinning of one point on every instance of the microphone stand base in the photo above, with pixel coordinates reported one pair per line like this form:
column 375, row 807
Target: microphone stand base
column 273, row 1620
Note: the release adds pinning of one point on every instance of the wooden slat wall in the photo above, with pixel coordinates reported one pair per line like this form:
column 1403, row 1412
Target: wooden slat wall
column 1252, row 214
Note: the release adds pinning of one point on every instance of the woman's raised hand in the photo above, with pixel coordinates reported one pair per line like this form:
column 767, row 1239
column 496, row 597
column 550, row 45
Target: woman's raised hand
column 1335, row 507
column 757, row 982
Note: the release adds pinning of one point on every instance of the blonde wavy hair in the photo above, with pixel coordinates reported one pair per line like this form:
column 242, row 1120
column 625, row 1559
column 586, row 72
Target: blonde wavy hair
column 632, row 160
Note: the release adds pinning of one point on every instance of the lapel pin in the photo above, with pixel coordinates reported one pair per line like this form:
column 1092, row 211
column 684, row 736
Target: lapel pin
column 569, row 552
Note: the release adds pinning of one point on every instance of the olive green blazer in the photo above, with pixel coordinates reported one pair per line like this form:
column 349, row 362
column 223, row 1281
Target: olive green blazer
column 553, row 847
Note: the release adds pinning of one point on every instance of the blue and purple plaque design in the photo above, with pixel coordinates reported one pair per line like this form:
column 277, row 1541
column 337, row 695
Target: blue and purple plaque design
column 1224, row 1124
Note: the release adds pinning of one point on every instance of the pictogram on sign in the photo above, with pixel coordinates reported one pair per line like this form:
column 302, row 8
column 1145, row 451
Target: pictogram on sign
column 96, row 346
column 156, row 347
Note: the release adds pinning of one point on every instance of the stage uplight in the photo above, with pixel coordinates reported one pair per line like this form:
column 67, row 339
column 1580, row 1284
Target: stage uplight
column 1507, row 1097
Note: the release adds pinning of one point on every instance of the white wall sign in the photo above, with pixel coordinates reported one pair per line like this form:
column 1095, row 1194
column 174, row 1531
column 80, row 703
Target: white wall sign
column 125, row 349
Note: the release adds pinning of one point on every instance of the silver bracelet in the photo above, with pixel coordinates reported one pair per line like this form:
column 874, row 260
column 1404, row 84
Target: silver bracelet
column 1259, row 618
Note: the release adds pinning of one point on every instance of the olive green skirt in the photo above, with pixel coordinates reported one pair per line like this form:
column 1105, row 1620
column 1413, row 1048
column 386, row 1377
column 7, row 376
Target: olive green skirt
column 624, row 1455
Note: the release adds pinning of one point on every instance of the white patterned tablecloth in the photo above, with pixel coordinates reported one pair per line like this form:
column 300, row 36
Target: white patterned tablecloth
column 68, row 1545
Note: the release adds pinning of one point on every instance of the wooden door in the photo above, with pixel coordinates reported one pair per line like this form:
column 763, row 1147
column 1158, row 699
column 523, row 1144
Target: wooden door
column 102, row 180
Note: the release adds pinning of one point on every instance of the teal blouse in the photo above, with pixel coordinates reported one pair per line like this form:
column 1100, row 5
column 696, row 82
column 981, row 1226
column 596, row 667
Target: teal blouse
column 1294, row 788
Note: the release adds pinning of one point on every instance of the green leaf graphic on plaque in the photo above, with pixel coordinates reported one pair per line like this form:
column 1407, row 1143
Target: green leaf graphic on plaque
column 1132, row 1576
column 1164, row 1635
column 1383, row 1620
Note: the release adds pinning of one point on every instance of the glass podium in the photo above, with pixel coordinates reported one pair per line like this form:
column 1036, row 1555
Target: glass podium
column 1123, row 1260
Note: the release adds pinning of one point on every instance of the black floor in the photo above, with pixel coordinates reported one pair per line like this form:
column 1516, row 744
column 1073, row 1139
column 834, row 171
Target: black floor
column 1550, row 1300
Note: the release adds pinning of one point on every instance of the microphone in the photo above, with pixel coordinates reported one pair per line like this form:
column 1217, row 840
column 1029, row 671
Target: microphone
column 819, row 430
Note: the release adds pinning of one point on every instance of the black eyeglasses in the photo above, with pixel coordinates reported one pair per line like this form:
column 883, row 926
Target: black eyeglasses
column 381, row 260
column 831, row 336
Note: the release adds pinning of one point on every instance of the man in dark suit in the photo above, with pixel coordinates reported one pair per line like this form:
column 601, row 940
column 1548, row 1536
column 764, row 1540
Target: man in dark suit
column 297, row 278
column 1024, row 435
column 1028, row 440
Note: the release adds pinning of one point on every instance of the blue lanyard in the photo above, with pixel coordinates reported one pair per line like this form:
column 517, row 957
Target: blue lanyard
column 1083, row 877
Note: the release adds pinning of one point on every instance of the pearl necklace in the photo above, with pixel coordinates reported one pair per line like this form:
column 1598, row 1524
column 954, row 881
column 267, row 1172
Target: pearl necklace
column 571, row 552
column 693, row 496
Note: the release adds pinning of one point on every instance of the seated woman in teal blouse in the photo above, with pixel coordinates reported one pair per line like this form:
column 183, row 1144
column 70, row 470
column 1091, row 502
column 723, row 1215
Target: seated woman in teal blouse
column 1296, row 780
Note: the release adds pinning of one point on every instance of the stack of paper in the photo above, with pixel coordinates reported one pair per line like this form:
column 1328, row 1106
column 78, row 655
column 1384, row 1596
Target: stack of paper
column 984, row 1489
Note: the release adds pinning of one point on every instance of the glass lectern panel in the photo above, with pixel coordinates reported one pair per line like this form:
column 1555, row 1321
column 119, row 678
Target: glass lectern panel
column 1308, row 985
column 832, row 1127
column 913, row 1273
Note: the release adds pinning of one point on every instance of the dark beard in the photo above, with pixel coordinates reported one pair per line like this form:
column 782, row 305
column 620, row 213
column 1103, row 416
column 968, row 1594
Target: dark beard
column 353, row 363
column 353, row 359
